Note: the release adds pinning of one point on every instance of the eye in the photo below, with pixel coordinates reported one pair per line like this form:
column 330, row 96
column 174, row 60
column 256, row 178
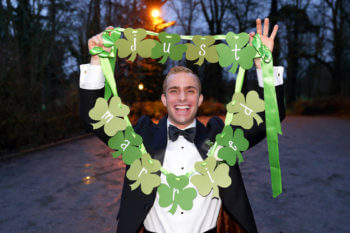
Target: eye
column 191, row 91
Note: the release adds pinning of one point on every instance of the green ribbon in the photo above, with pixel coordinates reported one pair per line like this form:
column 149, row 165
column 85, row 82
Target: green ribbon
column 229, row 115
column 109, row 75
column 272, row 119
column 263, row 51
column 238, row 88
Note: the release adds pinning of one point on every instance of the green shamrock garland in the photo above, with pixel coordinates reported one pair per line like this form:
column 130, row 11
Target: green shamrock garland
column 167, row 47
column 128, row 144
column 235, row 53
column 109, row 116
column 246, row 109
column 211, row 177
column 203, row 48
column 142, row 172
column 232, row 145
column 135, row 44
column 176, row 193
column 242, row 111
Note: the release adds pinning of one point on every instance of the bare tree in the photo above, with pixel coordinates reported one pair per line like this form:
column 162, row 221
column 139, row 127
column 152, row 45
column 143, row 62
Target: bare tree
column 242, row 14
column 185, row 11
column 336, row 17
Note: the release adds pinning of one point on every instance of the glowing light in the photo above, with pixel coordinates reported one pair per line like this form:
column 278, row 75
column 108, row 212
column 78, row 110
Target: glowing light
column 141, row 86
column 88, row 179
column 155, row 13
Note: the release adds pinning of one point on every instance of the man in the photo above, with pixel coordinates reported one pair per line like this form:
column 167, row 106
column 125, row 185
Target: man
column 182, row 97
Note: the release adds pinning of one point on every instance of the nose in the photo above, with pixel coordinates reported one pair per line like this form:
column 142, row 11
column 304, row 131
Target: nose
column 182, row 95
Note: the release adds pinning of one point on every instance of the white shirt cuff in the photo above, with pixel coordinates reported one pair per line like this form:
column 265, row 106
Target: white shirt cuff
column 91, row 77
column 277, row 73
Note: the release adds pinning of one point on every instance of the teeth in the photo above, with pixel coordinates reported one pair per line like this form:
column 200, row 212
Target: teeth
column 182, row 107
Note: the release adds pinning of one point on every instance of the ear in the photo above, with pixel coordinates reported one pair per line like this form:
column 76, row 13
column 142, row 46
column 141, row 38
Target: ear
column 163, row 98
column 200, row 100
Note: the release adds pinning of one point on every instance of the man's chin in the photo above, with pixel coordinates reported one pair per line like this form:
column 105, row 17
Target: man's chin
column 182, row 121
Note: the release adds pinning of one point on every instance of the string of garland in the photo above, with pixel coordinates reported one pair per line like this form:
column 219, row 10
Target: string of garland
column 242, row 111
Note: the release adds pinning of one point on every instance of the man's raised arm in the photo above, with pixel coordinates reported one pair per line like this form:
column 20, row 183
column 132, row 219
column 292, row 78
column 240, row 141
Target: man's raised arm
column 258, row 132
column 91, row 85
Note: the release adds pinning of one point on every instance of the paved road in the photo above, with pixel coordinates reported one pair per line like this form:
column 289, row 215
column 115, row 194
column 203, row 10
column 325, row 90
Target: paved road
column 75, row 187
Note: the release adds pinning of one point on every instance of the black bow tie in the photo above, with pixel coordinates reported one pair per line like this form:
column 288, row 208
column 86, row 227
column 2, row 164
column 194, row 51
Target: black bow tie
column 188, row 134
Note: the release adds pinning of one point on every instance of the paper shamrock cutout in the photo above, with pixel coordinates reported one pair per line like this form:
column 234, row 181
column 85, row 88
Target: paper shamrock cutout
column 210, row 177
column 135, row 44
column 203, row 47
column 245, row 110
column 232, row 145
column 126, row 143
column 109, row 116
column 235, row 53
column 109, row 38
column 142, row 172
column 176, row 193
column 168, row 48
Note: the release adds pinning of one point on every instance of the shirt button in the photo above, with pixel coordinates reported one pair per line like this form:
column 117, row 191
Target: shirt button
column 182, row 168
column 182, row 147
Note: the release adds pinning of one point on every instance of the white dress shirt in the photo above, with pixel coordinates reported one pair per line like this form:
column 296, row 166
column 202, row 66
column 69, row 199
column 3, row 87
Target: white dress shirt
column 180, row 157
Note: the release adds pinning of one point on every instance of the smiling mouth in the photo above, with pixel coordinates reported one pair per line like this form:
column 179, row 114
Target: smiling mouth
column 182, row 107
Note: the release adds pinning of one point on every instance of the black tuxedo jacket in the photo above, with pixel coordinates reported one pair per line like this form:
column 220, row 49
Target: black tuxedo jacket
column 135, row 205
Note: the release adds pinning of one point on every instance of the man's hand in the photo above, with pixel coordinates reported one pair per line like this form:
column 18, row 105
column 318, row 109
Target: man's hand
column 265, row 39
column 96, row 40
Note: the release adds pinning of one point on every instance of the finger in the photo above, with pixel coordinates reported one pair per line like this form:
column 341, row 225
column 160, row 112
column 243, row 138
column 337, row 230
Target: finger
column 109, row 28
column 251, row 36
column 266, row 26
column 91, row 43
column 274, row 32
column 97, row 40
column 258, row 26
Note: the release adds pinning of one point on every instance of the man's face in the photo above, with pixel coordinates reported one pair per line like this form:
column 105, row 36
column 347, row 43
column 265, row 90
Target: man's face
column 182, row 99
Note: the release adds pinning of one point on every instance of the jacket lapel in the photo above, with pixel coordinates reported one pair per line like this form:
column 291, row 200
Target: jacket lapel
column 160, row 140
column 200, row 139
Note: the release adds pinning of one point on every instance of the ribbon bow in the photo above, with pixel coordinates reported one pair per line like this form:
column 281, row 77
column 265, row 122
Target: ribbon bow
column 188, row 134
column 262, row 49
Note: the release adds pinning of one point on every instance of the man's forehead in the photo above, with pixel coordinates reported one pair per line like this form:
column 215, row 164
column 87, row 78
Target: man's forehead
column 182, row 79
